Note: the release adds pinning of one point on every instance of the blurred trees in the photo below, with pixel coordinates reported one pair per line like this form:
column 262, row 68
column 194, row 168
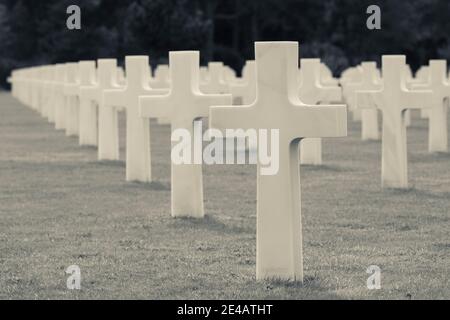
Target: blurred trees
column 34, row 31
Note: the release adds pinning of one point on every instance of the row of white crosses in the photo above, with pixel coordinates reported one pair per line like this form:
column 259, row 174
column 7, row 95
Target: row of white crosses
column 270, row 99
column 272, row 94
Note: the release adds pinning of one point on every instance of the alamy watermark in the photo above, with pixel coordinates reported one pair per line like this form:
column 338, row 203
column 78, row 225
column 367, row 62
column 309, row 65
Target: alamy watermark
column 374, row 281
column 188, row 148
column 74, row 280
column 73, row 22
column 374, row 20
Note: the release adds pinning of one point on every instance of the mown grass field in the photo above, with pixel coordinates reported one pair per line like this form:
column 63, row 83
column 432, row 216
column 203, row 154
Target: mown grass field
column 59, row 207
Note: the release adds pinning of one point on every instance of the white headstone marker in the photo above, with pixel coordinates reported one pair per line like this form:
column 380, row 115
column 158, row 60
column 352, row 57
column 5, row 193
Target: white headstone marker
column 71, row 88
column 393, row 100
column 216, row 82
column 108, row 126
column 279, row 229
column 312, row 92
column 184, row 104
column 88, row 110
column 138, row 160
column 244, row 92
column 437, row 115
column 369, row 117
column 352, row 78
column 59, row 101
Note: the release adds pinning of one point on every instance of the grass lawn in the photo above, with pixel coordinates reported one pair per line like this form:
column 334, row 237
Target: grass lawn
column 59, row 207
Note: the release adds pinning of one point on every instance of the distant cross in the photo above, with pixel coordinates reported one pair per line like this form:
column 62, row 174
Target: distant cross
column 350, row 81
column 279, row 229
column 369, row 117
column 181, row 106
column 244, row 92
column 138, row 159
column 437, row 125
column 71, row 88
column 422, row 77
column 108, row 126
column 393, row 100
column 216, row 82
column 88, row 110
column 161, row 79
column 312, row 92
column 59, row 105
column 47, row 90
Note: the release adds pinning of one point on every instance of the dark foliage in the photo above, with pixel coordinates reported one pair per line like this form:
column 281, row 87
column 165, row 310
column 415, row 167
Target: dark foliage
column 34, row 31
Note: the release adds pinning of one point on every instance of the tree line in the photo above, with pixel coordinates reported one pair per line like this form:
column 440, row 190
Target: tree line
column 34, row 32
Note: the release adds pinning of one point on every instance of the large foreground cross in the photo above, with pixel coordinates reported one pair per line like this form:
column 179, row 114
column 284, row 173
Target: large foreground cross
column 279, row 228
column 184, row 104
column 393, row 100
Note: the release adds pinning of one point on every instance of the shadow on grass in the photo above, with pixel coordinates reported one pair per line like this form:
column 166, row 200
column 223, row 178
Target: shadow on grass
column 324, row 167
column 430, row 157
column 301, row 290
column 88, row 148
column 154, row 185
column 209, row 223
column 371, row 142
column 416, row 192
column 111, row 163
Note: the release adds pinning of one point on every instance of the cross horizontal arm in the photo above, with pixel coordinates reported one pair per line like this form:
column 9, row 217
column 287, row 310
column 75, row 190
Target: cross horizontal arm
column 90, row 93
column 155, row 106
column 114, row 97
column 323, row 121
column 230, row 117
column 205, row 102
column 330, row 94
column 417, row 99
column 368, row 99
column 71, row 89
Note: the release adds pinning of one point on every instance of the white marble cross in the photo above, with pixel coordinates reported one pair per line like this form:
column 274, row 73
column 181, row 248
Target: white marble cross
column 369, row 117
column 88, row 110
column 216, row 82
column 279, row 229
column 422, row 77
column 71, row 89
column 138, row 159
column 35, row 74
column 326, row 76
column 312, row 92
column 47, row 92
column 351, row 79
column 161, row 80
column 370, row 81
column 393, row 100
column 108, row 126
column 59, row 100
column 244, row 92
column 437, row 125
column 184, row 104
